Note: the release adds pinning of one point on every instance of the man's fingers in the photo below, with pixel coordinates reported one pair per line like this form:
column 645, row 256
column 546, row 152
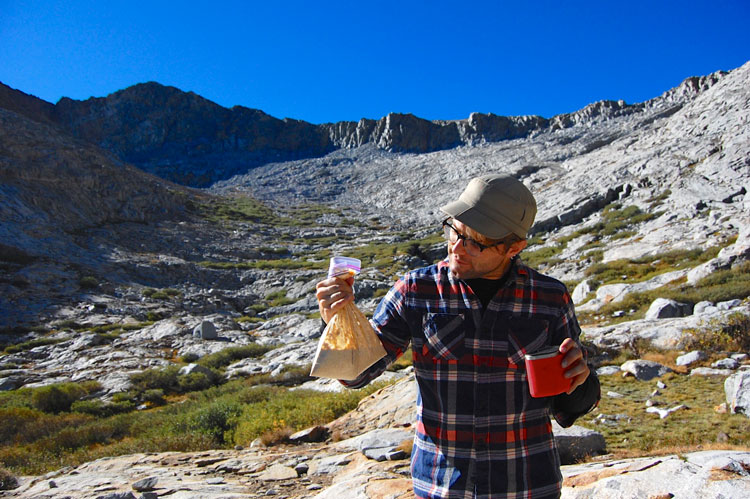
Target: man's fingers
column 572, row 355
column 332, row 294
column 577, row 372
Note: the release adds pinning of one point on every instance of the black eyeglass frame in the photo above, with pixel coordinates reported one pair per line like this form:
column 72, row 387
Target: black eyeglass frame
column 464, row 239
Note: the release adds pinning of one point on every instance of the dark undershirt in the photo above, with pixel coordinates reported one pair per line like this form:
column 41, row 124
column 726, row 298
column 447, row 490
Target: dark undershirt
column 486, row 289
column 584, row 397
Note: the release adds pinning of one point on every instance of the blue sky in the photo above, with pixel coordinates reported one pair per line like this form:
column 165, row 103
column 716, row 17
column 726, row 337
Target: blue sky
column 324, row 61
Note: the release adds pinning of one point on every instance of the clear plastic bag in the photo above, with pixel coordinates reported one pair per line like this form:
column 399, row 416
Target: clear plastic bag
column 348, row 344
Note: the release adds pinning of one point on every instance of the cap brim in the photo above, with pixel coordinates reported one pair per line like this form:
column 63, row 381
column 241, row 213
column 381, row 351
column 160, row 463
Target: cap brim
column 473, row 218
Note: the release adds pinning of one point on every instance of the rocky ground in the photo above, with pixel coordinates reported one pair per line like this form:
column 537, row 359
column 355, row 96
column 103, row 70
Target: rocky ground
column 366, row 460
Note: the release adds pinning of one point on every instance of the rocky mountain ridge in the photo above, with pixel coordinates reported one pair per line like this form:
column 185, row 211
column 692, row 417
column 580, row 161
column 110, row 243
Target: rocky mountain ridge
column 183, row 137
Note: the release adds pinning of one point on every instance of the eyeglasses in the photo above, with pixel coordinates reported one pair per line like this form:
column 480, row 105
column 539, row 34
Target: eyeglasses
column 472, row 247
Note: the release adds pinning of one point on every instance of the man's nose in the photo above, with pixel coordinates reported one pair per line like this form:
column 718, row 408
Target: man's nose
column 459, row 244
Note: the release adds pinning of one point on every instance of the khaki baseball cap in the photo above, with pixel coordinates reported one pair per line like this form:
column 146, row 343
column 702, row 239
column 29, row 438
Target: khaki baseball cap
column 495, row 206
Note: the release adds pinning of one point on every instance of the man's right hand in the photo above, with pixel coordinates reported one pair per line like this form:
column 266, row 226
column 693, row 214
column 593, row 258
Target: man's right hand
column 332, row 294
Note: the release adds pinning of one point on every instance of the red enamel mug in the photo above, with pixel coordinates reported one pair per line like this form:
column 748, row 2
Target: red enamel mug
column 545, row 373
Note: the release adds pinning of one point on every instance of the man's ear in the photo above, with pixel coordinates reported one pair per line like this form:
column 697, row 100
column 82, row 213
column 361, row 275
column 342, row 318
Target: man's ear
column 516, row 247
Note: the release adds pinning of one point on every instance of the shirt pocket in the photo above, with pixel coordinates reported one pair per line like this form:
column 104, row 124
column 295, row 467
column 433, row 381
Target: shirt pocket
column 525, row 335
column 444, row 335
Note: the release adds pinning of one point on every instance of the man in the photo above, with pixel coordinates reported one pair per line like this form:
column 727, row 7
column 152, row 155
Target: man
column 470, row 320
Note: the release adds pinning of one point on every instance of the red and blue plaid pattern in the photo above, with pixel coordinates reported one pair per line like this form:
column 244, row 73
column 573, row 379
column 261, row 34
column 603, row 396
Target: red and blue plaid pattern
column 479, row 432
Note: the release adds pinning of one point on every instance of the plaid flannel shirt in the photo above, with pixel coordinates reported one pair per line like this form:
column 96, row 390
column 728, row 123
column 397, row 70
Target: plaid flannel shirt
column 479, row 432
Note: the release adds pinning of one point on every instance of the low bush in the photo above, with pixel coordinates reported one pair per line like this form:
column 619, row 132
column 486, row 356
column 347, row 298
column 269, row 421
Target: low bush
column 196, row 381
column 645, row 268
column 542, row 256
column 8, row 480
column 720, row 286
column 237, row 208
column 275, row 264
column 276, row 436
column 154, row 397
column 161, row 294
column 223, row 358
column 152, row 379
column 214, row 420
column 15, row 420
column 169, row 380
column 278, row 299
column 34, row 442
column 731, row 334
column 403, row 362
column 88, row 282
column 28, row 345
column 189, row 357
column 292, row 375
column 23, row 425
column 59, row 397
column 101, row 409
column 296, row 410
column 124, row 397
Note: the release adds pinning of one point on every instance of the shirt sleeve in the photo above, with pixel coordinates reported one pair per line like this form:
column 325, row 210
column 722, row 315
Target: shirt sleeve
column 567, row 408
column 392, row 328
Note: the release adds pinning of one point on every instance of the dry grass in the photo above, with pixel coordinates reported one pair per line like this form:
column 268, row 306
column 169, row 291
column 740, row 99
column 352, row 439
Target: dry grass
column 276, row 436
column 630, row 431
column 674, row 449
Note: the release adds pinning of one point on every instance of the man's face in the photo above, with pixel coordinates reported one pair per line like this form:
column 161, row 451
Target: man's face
column 491, row 263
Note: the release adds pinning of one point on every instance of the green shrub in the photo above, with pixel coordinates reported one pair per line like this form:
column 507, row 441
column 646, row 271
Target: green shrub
column 88, row 282
column 34, row 442
column 157, row 378
column 275, row 264
column 24, row 425
column 154, row 316
column 642, row 269
column 57, row 398
column 659, row 199
column 68, row 324
column 250, row 320
column 161, row 294
column 97, row 431
column 189, row 358
column 123, row 397
column 154, row 397
column 195, row 381
column 237, row 208
column 15, row 420
column 223, row 358
column 215, row 420
column 101, row 409
column 292, row 375
column 403, row 362
column 296, row 409
column 729, row 334
column 8, row 481
column 169, row 380
column 28, row 345
column 542, row 256
column 720, row 286
column 278, row 299
column 615, row 219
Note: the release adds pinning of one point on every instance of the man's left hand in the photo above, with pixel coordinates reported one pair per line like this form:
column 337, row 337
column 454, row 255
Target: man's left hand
column 574, row 364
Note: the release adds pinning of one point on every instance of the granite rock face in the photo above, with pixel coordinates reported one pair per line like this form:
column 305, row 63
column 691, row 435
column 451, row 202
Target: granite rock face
column 183, row 137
